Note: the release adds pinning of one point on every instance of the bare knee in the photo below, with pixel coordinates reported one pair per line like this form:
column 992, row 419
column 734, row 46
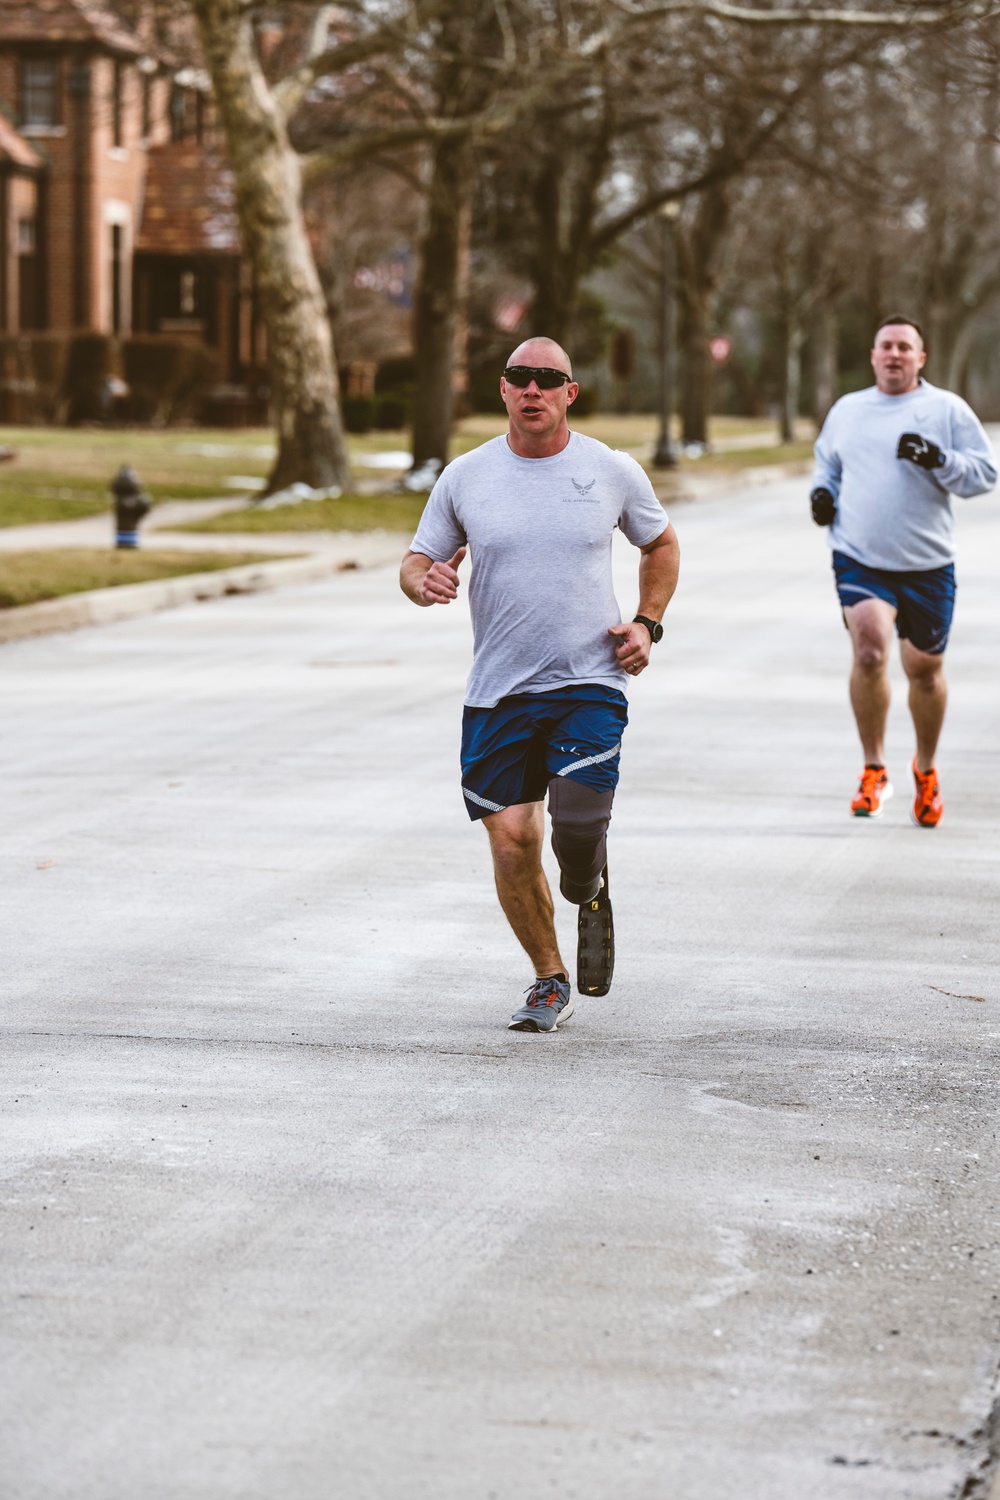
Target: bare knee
column 871, row 654
column 925, row 675
column 515, row 837
column 871, row 624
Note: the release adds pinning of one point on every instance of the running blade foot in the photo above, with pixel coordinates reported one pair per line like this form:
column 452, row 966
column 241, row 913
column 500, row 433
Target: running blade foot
column 595, row 944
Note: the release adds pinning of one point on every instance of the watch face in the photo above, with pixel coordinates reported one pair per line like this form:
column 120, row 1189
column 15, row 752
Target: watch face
column 653, row 626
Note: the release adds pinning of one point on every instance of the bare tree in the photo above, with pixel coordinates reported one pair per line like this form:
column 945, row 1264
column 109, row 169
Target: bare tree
column 469, row 75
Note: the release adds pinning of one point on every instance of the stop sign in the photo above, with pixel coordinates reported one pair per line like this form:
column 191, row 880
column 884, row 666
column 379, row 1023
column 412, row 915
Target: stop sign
column 720, row 348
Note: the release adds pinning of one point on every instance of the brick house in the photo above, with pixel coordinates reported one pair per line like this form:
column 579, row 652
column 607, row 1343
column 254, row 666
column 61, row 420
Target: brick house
column 116, row 206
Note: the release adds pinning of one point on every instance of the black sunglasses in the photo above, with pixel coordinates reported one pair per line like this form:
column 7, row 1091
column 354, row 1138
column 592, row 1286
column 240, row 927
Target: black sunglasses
column 544, row 378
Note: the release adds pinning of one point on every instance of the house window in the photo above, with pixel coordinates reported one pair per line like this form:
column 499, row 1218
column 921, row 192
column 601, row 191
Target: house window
column 117, row 92
column 147, row 106
column 189, row 294
column 39, row 91
column 25, row 236
column 178, row 114
column 116, row 278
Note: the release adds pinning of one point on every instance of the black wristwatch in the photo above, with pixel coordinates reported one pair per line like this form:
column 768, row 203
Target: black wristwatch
column 653, row 626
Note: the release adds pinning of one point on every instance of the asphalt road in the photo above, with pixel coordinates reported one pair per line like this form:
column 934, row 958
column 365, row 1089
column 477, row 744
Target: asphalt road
column 288, row 1214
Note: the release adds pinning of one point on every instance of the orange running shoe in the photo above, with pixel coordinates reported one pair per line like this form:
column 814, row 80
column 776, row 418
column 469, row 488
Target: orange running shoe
column 874, row 789
column 927, row 805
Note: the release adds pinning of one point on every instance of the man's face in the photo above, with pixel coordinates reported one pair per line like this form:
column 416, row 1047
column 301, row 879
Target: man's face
column 536, row 413
column 897, row 359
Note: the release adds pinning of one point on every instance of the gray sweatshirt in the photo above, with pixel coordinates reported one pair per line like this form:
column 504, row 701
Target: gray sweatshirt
column 891, row 513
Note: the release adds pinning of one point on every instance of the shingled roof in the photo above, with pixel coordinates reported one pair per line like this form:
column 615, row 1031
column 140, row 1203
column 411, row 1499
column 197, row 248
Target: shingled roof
column 66, row 21
column 189, row 207
column 16, row 149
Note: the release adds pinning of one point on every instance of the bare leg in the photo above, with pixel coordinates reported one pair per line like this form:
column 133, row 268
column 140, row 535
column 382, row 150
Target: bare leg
column 516, row 836
column 871, row 624
column 928, row 699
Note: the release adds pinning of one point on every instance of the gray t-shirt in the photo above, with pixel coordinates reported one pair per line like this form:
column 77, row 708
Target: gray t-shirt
column 891, row 513
column 539, row 536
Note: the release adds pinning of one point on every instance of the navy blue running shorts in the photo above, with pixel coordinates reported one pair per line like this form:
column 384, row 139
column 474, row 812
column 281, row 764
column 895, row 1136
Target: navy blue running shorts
column 511, row 752
column 924, row 601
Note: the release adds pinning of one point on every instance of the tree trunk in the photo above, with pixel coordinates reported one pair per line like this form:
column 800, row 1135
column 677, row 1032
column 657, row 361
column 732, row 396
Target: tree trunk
column 825, row 344
column 957, row 375
column 791, row 385
column 303, row 372
column 565, row 200
column 697, row 387
column 698, row 250
column 553, row 270
column 436, row 301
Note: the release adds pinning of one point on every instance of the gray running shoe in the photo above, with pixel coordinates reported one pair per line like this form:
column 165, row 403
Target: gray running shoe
column 549, row 1003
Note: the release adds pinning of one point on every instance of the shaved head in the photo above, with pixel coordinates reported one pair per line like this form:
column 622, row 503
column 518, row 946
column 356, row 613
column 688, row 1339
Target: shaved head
column 542, row 352
column 537, row 412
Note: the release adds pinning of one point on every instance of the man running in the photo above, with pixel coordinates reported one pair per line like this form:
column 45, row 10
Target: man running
column 544, row 705
column 888, row 461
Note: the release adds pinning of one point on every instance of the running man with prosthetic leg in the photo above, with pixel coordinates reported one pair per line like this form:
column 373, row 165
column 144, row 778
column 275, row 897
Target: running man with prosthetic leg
column 545, row 707
column 888, row 462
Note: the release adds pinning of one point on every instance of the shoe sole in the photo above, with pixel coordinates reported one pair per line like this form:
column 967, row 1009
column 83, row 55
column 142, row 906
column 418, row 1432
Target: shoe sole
column 886, row 797
column 532, row 1026
column 918, row 823
column 595, row 948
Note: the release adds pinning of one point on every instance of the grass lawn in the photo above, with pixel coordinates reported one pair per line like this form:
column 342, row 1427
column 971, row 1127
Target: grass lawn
column 748, row 458
column 347, row 513
column 61, row 473
column 27, row 577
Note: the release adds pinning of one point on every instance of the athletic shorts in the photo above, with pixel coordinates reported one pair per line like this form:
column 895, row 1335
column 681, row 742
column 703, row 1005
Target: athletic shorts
column 924, row 601
column 511, row 752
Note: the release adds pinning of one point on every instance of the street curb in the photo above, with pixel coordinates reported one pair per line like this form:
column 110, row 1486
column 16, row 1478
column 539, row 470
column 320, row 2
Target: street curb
column 128, row 601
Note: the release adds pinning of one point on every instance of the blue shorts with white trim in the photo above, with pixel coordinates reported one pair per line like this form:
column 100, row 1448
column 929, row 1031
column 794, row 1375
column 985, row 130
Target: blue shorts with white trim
column 511, row 752
column 924, row 600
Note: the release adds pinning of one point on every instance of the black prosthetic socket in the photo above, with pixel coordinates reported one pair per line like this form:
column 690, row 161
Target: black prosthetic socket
column 580, row 818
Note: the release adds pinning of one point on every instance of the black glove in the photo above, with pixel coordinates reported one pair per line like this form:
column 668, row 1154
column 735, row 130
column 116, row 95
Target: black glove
column 824, row 507
column 920, row 450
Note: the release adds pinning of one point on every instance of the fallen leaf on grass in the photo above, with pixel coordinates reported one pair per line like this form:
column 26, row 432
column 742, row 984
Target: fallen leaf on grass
column 954, row 993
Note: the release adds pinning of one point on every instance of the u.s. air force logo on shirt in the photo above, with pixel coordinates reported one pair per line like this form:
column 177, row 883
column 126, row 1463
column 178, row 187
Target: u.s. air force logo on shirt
column 582, row 491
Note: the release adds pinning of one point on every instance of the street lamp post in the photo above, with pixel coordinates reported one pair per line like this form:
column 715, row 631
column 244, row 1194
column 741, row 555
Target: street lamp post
column 664, row 457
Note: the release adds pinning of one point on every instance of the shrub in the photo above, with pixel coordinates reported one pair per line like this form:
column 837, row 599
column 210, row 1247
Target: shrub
column 48, row 355
column 199, row 372
column 391, row 413
column 484, row 392
column 396, row 376
column 585, row 404
column 167, row 378
column 152, row 371
column 359, row 413
column 32, row 372
column 91, row 361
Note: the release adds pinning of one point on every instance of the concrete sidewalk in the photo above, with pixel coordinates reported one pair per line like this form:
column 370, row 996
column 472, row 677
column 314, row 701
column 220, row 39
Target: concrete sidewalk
column 311, row 555
column 289, row 1214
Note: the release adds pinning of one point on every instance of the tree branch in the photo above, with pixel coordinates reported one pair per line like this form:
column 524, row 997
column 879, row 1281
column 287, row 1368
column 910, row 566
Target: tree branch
column 315, row 163
column 752, row 15
column 292, row 89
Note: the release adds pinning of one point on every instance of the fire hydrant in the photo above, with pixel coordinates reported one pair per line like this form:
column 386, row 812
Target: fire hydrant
column 131, row 504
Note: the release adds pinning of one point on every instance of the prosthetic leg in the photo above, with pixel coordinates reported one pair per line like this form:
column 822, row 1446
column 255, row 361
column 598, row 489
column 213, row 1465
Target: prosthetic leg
column 580, row 818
